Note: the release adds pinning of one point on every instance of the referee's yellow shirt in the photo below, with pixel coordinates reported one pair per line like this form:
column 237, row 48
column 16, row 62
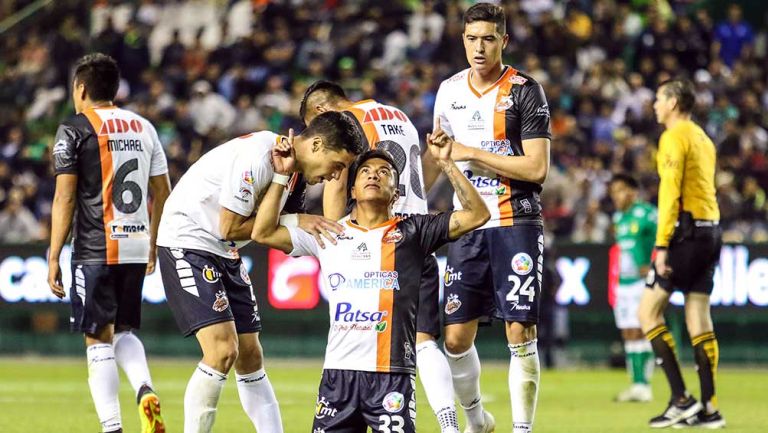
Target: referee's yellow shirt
column 686, row 164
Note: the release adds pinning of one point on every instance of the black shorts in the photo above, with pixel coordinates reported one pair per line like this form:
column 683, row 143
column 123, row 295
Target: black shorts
column 693, row 262
column 428, row 316
column 203, row 288
column 495, row 273
column 104, row 294
column 351, row 401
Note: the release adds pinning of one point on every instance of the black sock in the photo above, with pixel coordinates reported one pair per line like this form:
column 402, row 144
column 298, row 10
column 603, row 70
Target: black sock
column 707, row 353
column 664, row 348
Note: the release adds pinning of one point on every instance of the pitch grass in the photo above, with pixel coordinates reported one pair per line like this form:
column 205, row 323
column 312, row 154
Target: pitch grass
column 51, row 395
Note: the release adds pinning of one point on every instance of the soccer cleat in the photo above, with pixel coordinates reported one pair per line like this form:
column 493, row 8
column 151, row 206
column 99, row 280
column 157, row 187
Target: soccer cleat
column 676, row 412
column 638, row 392
column 149, row 413
column 489, row 424
column 702, row 420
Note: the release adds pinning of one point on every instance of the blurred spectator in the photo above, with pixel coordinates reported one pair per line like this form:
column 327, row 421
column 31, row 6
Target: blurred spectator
column 733, row 36
column 592, row 225
column 17, row 223
column 209, row 110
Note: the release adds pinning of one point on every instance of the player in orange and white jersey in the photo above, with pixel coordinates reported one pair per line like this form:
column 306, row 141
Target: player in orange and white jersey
column 108, row 161
column 497, row 119
column 388, row 128
column 369, row 363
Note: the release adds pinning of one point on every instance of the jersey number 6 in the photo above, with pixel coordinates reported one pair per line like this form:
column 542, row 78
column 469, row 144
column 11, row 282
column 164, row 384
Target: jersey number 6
column 121, row 186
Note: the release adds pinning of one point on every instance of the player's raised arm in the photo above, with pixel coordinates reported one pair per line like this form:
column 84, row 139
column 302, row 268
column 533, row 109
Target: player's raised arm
column 474, row 212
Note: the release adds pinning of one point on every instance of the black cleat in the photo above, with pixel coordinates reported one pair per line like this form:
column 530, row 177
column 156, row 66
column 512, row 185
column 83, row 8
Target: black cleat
column 676, row 412
column 702, row 420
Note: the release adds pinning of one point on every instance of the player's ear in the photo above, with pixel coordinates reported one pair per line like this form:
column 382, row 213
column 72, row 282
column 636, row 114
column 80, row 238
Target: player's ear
column 504, row 41
column 317, row 143
column 395, row 195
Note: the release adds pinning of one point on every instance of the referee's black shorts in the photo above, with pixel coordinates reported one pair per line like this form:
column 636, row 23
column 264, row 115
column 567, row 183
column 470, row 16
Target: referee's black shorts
column 693, row 261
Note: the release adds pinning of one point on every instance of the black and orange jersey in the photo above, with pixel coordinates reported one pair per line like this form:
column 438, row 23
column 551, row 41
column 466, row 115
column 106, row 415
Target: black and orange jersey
column 372, row 277
column 686, row 164
column 113, row 152
column 497, row 120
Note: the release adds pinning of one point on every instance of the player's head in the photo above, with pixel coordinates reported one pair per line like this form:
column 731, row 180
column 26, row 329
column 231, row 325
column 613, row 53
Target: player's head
column 328, row 145
column 97, row 78
column 623, row 190
column 320, row 96
column 375, row 178
column 675, row 96
column 485, row 36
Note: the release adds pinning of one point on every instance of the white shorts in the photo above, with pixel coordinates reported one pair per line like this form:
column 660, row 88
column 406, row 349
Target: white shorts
column 627, row 305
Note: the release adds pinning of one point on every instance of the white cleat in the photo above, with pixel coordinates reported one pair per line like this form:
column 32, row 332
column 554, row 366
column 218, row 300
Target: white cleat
column 636, row 393
column 489, row 425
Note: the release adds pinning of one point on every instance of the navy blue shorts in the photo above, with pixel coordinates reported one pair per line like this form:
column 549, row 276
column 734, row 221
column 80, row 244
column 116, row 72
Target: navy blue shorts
column 203, row 289
column 495, row 273
column 104, row 294
column 352, row 401
column 428, row 317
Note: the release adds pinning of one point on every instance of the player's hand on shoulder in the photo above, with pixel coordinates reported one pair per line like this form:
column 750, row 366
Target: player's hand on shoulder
column 284, row 155
column 320, row 227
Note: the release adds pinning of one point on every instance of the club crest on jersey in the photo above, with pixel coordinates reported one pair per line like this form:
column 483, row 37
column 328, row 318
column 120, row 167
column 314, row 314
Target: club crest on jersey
column 504, row 103
column 476, row 123
column 248, row 177
column 452, row 304
column 522, row 264
column 393, row 402
column 323, row 409
column 361, row 252
column 210, row 274
column 517, row 79
column 221, row 303
column 392, row 236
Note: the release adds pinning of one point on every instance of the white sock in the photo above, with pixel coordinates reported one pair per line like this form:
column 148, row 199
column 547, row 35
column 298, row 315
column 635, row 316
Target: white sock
column 435, row 375
column 130, row 356
column 259, row 401
column 465, row 370
column 523, row 384
column 104, row 383
column 644, row 346
column 201, row 398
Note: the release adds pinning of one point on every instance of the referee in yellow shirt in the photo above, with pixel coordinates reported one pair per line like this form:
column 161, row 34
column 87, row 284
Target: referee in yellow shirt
column 688, row 241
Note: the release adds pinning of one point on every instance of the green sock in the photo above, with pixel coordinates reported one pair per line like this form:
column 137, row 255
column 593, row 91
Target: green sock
column 638, row 367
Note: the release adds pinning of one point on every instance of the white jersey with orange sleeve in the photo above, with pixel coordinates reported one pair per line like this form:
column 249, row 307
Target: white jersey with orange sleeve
column 233, row 175
column 497, row 121
column 113, row 152
column 372, row 278
column 388, row 128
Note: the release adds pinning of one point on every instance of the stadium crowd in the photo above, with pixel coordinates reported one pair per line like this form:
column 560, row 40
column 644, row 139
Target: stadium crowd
column 206, row 71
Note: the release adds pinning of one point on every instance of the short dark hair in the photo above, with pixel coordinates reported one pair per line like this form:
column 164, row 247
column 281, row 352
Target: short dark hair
column 373, row 154
column 329, row 88
column 487, row 12
column 338, row 131
column 683, row 91
column 99, row 74
column 626, row 179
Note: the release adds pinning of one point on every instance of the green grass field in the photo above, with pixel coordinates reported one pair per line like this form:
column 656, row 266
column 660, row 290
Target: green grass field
column 51, row 395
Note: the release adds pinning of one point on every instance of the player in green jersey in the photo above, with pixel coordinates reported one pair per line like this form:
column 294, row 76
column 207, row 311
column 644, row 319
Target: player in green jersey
column 634, row 224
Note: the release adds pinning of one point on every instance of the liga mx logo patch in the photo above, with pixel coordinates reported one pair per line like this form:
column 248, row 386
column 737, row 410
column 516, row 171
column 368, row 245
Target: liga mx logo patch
column 393, row 402
column 522, row 264
column 210, row 274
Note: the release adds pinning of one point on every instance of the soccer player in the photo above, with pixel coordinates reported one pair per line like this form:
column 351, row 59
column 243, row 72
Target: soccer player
column 497, row 119
column 108, row 161
column 388, row 128
column 369, row 361
column 688, row 241
column 209, row 216
column 634, row 226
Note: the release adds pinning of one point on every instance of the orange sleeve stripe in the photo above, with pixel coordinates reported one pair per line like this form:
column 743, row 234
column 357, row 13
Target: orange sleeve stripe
column 386, row 303
column 107, row 176
column 369, row 128
column 506, row 214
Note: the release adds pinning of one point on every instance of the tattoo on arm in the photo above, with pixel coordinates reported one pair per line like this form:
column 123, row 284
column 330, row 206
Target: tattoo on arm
column 459, row 187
